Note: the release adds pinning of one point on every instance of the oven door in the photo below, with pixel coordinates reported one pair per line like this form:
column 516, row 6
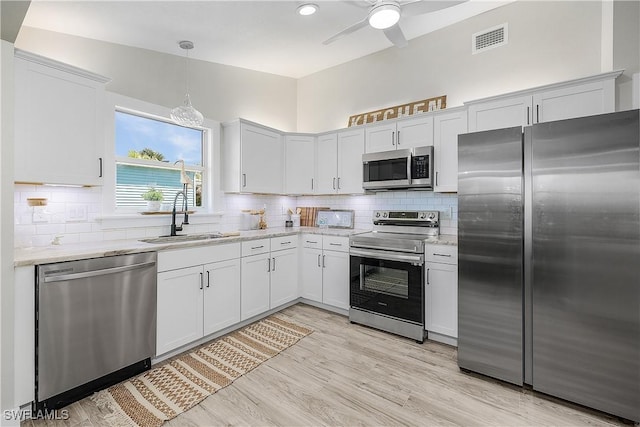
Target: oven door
column 388, row 169
column 388, row 283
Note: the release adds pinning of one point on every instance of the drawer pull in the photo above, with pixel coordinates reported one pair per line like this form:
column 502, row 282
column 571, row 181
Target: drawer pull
column 445, row 255
column 285, row 243
column 335, row 244
column 257, row 247
column 310, row 241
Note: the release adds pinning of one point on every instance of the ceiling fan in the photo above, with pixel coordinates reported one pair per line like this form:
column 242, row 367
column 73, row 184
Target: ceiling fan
column 385, row 14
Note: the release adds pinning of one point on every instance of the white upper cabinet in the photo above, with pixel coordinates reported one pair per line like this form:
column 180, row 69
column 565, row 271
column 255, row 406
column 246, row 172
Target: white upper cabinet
column 327, row 163
column 500, row 113
column 299, row 155
column 380, row 137
column 576, row 98
column 414, row 132
column 59, row 111
column 339, row 162
column 401, row 134
column 448, row 124
column 574, row 101
column 350, row 151
column 253, row 158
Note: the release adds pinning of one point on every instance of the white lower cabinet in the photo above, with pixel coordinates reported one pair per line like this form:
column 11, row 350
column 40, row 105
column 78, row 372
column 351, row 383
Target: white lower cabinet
column 255, row 285
column 180, row 308
column 269, row 274
column 222, row 295
column 284, row 276
column 441, row 290
column 325, row 270
column 191, row 292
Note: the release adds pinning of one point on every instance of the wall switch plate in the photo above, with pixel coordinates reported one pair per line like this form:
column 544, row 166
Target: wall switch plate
column 76, row 212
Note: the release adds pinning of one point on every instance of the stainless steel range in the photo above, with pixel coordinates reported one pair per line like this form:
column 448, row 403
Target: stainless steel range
column 387, row 272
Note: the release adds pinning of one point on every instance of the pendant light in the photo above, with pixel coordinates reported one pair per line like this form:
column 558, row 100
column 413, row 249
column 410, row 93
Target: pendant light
column 186, row 115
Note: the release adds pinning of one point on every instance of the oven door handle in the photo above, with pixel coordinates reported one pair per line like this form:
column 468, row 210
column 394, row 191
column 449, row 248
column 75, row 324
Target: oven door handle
column 389, row 256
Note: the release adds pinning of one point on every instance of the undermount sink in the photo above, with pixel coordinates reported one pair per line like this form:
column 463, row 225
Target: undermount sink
column 182, row 238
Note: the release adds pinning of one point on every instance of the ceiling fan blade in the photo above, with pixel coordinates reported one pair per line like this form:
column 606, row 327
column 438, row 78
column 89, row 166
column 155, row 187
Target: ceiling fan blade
column 420, row 7
column 349, row 30
column 395, row 36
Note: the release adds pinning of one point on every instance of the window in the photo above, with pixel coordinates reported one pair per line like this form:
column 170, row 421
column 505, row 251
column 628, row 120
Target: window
column 146, row 152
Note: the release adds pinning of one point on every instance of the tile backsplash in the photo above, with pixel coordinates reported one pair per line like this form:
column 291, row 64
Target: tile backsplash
column 75, row 214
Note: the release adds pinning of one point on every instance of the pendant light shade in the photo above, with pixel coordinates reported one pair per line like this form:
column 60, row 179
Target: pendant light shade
column 185, row 114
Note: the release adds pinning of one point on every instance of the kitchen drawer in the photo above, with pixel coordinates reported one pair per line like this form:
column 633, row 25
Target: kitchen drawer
column 284, row 242
column 255, row 247
column 335, row 243
column 312, row 241
column 445, row 254
column 181, row 258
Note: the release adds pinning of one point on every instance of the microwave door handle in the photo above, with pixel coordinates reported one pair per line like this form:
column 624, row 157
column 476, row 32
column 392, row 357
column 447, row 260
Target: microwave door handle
column 409, row 164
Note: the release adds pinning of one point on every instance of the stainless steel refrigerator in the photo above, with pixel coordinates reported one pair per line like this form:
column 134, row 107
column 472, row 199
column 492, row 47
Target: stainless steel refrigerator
column 549, row 258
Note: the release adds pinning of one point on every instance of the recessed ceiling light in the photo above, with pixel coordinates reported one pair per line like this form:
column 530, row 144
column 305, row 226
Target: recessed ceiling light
column 307, row 9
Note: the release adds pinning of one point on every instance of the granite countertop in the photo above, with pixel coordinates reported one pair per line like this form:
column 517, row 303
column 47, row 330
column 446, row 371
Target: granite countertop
column 49, row 254
column 70, row 252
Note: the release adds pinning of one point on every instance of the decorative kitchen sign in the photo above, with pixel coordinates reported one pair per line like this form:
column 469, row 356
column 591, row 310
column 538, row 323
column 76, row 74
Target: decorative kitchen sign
column 417, row 107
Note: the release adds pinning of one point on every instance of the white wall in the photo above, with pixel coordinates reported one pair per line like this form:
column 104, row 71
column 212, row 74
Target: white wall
column 626, row 50
column 220, row 92
column 548, row 42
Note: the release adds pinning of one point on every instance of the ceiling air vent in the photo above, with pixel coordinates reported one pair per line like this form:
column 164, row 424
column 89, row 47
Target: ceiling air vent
column 489, row 38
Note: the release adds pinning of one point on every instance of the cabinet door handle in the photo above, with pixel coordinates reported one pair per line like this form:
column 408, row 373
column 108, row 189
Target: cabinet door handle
column 208, row 279
column 537, row 113
column 428, row 275
column 274, row 264
column 334, row 182
column 436, row 178
column 398, row 138
column 318, row 260
column 244, row 179
column 338, row 183
column 100, row 161
column 393, row 142
column 528, row 116
column 323, row 264
column 201, row 281
column 268, row 265
column 312, row 183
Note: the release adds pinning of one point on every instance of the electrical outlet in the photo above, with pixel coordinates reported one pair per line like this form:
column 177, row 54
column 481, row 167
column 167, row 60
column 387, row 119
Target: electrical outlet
column 40, row 214
column 76, row 212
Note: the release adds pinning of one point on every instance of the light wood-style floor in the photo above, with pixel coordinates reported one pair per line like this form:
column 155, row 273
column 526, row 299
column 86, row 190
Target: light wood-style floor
column 347, row 375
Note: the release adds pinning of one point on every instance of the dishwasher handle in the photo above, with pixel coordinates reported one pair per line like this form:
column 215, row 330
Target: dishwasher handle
column 94, row 273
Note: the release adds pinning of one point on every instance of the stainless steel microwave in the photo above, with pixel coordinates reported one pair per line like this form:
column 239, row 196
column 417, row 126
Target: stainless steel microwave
column 398, row 169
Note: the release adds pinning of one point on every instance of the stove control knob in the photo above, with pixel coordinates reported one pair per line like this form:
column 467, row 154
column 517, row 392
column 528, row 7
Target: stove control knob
column 384, row 215
column 432, row 216
column 422, row 215
column 377, row 214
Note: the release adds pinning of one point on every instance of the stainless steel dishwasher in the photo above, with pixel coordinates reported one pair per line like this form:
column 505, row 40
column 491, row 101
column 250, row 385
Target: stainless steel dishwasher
column 95, row 325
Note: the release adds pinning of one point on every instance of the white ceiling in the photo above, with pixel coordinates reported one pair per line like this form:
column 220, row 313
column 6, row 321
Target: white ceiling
column 267, row 36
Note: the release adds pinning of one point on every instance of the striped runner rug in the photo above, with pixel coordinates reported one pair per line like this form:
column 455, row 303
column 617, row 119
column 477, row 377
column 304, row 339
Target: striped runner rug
column 166, row 391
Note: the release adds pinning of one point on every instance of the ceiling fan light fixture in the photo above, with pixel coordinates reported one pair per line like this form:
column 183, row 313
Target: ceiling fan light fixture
column 384, row 16
column 307, row 9
column 186, row 114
